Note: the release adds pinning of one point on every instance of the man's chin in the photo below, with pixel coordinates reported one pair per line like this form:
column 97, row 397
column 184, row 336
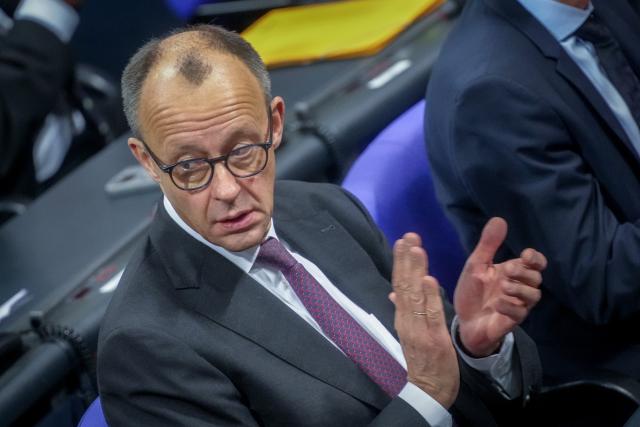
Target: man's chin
column 237, row 242
column 239, row 245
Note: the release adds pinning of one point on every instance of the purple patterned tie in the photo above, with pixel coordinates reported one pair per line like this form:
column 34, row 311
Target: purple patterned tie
column 335, row 322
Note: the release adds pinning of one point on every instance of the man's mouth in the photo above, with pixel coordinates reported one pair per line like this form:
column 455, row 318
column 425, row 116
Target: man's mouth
column 237, row 221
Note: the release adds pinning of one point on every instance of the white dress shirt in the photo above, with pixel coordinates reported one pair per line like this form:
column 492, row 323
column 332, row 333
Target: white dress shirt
column 562, row 21
column 498, row 367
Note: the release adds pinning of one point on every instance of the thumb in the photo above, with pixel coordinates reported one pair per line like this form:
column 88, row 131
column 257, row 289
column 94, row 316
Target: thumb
column 493, row 235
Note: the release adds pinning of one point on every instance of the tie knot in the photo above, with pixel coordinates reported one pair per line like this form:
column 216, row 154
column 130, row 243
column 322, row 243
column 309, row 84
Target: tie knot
column 594, row 31
column 273, row 253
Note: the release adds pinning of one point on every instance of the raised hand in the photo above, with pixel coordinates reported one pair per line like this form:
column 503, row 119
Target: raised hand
column 419, row 320
column 492, row 299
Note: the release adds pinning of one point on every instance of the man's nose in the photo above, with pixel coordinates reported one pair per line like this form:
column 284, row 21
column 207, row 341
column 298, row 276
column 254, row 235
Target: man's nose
column 225, row 186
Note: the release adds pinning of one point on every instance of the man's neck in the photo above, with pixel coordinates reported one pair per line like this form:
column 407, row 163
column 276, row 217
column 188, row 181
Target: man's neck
column 580, row 4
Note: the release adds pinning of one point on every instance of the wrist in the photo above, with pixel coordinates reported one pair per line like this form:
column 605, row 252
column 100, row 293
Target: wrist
column 444, row 396
column 476, row 350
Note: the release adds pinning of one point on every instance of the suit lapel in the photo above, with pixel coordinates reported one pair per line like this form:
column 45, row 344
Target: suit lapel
column 221, row 292
column 513, row 12
column 624, row 28
column 321, row 239
column 569, row 70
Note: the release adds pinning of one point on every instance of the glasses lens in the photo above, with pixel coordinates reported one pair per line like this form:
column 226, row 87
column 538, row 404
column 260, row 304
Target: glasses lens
column 191, row 174
column 247, row 160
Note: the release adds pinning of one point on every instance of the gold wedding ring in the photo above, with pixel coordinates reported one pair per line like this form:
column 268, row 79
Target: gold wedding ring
column 431, row 313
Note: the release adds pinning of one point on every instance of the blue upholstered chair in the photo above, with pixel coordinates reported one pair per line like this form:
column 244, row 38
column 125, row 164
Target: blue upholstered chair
column 392, row 178
column 93, row 416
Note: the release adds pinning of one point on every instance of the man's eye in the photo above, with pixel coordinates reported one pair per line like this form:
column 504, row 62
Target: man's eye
column 185, row 166
column 241, row 151
column 191, row 165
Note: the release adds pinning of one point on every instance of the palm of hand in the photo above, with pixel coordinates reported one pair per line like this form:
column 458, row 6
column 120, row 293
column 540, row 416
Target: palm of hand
column 476, row 295
column 491, row 299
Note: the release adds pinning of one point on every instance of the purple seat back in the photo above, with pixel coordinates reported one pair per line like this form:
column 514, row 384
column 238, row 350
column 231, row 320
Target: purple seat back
column 184, row 9
column 392, row 178
column 93, row 416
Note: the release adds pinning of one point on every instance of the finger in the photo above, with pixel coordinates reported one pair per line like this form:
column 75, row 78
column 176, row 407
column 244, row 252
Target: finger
column 410, row 296
column 534, row 259
column 414, row 240
column 417, row 265
column 434, row 306
column 493, row 235
column 409, row 263
column 526, row 294
column 517, row 271
column 415, row 274
column 408, row 269
column 515, row 312
column 400, row 252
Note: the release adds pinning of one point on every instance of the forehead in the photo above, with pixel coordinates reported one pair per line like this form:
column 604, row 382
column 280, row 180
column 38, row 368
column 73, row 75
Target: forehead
column 198, row 86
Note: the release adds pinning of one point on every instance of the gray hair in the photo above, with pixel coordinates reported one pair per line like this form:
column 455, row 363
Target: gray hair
column 190, row 64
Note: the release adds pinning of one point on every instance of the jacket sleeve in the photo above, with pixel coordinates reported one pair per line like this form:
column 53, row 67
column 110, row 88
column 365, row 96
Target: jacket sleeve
column 150, row 378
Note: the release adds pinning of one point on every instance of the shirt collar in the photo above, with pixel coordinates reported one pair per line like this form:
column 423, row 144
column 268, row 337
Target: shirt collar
column 560, row 19
column 243, row 259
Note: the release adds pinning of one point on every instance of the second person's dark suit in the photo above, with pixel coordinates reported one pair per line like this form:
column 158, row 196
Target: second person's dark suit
column 515, row 129
column 35, row 68
column 190, row 339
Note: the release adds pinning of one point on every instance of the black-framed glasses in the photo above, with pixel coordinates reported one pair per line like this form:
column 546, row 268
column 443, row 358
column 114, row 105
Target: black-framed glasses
column 242, row 162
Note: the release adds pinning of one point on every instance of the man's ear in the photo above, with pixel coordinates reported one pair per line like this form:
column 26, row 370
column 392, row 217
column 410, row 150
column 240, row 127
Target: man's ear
column 277, row 120
column 143, row 157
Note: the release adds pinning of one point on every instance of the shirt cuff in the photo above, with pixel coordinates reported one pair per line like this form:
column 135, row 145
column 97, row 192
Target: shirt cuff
column 55, row 15
column 498, row 367
column 433, row 412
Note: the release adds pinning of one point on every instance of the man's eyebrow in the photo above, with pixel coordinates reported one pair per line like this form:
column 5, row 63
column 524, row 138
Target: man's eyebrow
column 244, row 132
column 200, row 150
column 177, row 149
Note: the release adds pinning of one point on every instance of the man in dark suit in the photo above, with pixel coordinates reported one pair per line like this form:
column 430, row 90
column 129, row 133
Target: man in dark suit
column 35, row 71
column 533, row 116
column 247, row 305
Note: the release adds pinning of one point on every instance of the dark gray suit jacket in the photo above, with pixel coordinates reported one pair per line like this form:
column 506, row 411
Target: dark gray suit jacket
column 189, row 339
column 515, row 129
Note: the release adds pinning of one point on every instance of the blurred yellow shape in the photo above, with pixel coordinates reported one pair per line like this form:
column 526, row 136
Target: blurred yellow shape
column 335, row 30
